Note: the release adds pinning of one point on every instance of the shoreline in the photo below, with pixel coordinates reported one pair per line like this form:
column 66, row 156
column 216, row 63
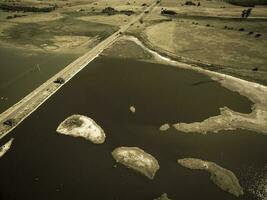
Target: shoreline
column 228, row 119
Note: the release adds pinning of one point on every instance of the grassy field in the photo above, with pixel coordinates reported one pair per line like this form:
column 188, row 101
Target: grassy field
column 61, row 34
column 232, row 49
column 43, row 32
column 127, row 49
column 210, row 8
column 222, row 39
column 72, row 25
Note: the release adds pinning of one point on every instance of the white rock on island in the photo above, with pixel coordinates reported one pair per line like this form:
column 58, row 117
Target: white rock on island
column 82, row 126
column 164, row 127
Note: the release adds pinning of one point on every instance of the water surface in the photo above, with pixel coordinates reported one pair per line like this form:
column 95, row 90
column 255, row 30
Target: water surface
column 22, row 71
column 45, row 165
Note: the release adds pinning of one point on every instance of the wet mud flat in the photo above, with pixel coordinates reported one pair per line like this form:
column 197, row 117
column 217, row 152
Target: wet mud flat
column 45, row 165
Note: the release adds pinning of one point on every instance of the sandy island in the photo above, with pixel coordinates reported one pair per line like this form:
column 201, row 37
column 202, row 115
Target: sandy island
column 82, row 126
column 137, row 159
column 5, row 147
column 223, row 178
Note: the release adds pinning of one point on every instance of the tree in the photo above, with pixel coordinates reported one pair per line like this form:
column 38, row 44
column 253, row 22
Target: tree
column 248, row 12
column 243, row 13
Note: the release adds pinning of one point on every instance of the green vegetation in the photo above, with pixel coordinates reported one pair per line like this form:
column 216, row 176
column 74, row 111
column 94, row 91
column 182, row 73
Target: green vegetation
column 109, row 11
column 14, row 16
column 168, row 12
column 189, row 3
column 112, row 11
column 246, row 13
column 27, row 8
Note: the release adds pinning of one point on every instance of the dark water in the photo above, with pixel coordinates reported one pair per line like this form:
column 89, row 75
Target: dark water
column 45, row 165
column 19, row 74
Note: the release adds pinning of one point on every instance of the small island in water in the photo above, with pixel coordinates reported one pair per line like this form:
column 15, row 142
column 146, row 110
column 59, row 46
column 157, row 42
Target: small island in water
column 82, row 126
column 223, row 178
column 137, row 159
column 164, row 196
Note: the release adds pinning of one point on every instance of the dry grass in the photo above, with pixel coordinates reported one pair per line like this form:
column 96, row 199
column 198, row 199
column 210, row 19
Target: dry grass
column 211, row 8
column 68, row 43
column 110, row 20
column 210, row 44
column 72, row 25
column 127, row 49
column 235, row 52
column 38, row 17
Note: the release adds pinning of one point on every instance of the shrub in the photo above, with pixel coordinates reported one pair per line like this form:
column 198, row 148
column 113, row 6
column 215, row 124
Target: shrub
column 109, row 11
column 248, row 12
column 255, row 69
column 14, row 16
column 245, row 13
column 190, row 3
column 127, row 12
column 26, row 8
column 168, row 12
